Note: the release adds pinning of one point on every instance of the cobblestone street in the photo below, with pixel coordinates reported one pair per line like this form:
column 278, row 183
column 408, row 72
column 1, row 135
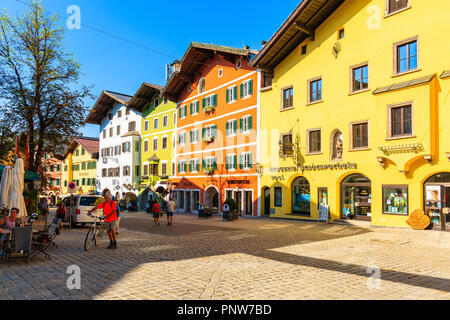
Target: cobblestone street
column 245, row 259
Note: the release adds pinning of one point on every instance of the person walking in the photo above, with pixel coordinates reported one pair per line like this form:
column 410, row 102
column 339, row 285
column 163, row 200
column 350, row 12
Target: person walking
column 43, row 206
column 156, row 210
column 118, row 217
column 61, row 213
column 170, row 210
column 110, row 212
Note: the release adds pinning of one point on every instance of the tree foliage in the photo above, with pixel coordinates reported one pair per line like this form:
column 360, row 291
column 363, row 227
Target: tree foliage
column 39, row 82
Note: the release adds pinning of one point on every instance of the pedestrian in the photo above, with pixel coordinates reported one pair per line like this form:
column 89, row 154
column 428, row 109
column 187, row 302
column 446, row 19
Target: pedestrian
column 118, row 217
column 149, row 206
column 170, row 210
column 61, row 213
column 43, row 206
column 156, row 210
column 110, row 213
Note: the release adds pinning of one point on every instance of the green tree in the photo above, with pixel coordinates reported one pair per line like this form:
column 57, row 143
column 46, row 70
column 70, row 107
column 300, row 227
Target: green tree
column 6, row 141
column 39, row 82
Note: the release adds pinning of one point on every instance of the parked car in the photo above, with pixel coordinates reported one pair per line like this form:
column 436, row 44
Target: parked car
column 81, row 206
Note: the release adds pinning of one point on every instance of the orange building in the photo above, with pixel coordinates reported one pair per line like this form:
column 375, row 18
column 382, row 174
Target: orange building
column 216, row 157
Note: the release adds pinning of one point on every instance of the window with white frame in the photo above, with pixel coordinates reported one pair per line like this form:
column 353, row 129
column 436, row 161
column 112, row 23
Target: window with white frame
column 165, row 121
column 155, row 144
column 246, row 89
column 210, row 163
column 182, row 166
column 164, row 143
column 194, row 165
column 231, row 128
column 210, row 101
column 245, row 160
column 231, row 162
column 209, row 132
column 246, row 124
column 182, row 112
column 194, row 135
column 194, row 107
column 155, row 123
column 232, row 94
column 145, row 145
column 182, row 138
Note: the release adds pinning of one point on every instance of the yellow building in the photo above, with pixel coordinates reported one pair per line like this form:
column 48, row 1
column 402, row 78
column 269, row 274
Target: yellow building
column 80, row 165
column 157, row 140
column 355, row 111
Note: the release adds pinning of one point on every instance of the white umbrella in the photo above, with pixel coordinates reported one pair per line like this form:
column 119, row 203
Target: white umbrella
column 16, row 199
column 5, row 187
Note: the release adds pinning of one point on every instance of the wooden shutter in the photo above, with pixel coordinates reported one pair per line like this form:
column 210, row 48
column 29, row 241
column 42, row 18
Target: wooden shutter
column 249, row 155
column 214, row 131
column 203, row 163
column 185, row 166
column 241, row 161
column 190, row 108
column 250, row 123
column 235, row 92
column 250, row 87
column 242, row 90
column 215, row 100
column 228, row 92
column 215, row 164
column 203, row 103
column 235, row 161
column 190, row 165
column 241, row 125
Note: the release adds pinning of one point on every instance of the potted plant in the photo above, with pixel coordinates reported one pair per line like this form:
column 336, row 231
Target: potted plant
column 208, row 171
column 232, row 214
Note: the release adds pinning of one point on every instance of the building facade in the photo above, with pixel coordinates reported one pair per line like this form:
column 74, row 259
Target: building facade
column 119, row 162
column 157, row 141
column 216, row 128
column 79, row 165
column 356, row 113
column 52, row 177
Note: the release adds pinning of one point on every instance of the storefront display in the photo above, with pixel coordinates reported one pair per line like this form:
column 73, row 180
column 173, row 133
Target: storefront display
column 395, row 199
column 301, row 197
column 437, row 202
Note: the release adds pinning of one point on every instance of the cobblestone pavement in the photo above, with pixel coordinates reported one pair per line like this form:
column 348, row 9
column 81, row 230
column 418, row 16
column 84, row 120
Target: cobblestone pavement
column 245, row 259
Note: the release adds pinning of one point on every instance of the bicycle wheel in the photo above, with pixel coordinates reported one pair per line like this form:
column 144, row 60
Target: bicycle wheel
column 90, row 238
column 102, row 238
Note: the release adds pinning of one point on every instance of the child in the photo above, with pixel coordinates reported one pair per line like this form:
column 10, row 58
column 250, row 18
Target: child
column 156, row 210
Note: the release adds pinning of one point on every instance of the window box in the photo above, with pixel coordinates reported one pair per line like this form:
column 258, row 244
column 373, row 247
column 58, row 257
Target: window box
column 208, row 171
column 209, row 109
column 208, row 139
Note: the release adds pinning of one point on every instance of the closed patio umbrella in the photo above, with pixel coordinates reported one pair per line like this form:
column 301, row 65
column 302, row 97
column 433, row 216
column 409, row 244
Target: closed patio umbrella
column 16, row 199
column 5, row 187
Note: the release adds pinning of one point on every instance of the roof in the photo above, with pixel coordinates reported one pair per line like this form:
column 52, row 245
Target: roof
column 406, row 84
column 196, row 55
column 445, row 74
column 104, row 103
column 29, row 175
column 90, row 144
column 301, row 24
column 146, row 93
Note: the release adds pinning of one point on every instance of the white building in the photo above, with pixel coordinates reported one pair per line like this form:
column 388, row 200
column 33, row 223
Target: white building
column 118, row 168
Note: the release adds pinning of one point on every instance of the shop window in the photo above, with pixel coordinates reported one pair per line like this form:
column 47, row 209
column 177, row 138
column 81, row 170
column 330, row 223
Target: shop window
column 437, row 200
column 395, row 200
column 400, row 121
column 301, row 197
column 337, row 145
column 278, row 197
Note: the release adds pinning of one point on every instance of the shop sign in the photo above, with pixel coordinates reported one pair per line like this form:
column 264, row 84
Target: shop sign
column 238, row 181
column 314, row 167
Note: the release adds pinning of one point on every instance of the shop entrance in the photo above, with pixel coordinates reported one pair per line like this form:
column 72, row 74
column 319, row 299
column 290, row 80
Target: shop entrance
column 356, row 197
column 238, row 199
column 212, row 199
column 301, row 197
column 437, row 200
column 248, row 203
column 188, row 201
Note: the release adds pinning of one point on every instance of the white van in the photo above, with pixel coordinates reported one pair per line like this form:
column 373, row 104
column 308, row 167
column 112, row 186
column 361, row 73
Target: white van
column 81, row 206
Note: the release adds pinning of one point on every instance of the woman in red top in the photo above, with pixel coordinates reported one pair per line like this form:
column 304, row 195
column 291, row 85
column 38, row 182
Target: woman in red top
column 156, row 210
column 110, row 213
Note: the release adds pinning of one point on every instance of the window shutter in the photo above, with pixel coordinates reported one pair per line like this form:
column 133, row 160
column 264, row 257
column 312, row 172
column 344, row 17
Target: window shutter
column 235, row 162
column 215, row 100
column 227, row 129
column 235, row 92
column 203, row 103
column 235, row 127
column 215, row 164
column 179, row 113
column 197, row 108
column 250, row 87
column 190, row 166
column 242, row 90
column 197, row 165
column 228, row 93
column 241, row 161
column 249, row 155
column 203, row 163
column 250, row 123
column 241, row 125
column 185, row 166
column 227, row 166
column 203, row 133
column 190, row 108
column 214, row 131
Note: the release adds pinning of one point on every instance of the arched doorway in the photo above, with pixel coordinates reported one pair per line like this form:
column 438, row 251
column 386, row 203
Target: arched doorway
column 356, row 197
column 437, row 199
column 143, row 199
column 301, row 197
column 266, row 193
column 212, row 198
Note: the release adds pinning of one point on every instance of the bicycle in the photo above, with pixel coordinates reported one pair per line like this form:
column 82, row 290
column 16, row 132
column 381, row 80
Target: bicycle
column 96, row 233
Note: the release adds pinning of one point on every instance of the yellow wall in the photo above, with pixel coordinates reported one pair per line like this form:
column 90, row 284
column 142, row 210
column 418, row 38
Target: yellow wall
column 70, row 175
column 369, row 37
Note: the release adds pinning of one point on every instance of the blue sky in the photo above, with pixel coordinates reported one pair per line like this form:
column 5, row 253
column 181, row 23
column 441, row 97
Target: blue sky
column 164, row 26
